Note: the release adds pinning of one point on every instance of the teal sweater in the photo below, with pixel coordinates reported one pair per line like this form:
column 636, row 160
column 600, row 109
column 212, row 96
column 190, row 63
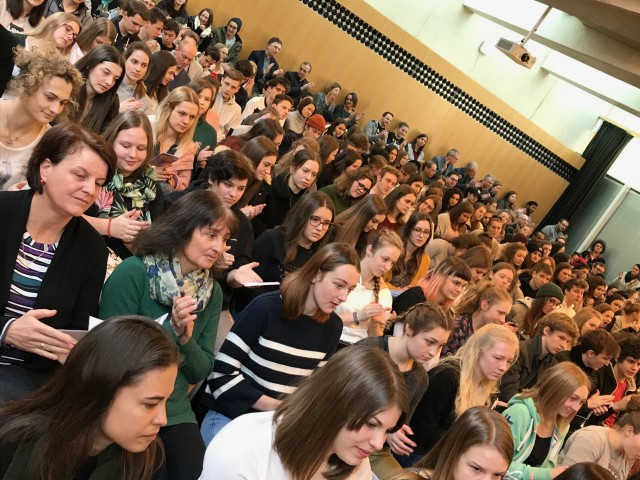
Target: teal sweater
column 524, row 420
column 127, row 292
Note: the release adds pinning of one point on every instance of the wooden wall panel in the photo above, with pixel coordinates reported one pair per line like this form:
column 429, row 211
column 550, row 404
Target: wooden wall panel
column 381, row 86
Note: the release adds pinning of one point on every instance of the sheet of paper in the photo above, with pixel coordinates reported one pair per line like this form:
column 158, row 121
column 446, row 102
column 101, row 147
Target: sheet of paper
column 75, row 334
column 261, row 284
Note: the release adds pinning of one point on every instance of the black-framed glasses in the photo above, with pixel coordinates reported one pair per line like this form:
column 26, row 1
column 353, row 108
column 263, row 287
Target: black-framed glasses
column 362, row 187
column 70, row 31
column 421, row 231
column 315, row 221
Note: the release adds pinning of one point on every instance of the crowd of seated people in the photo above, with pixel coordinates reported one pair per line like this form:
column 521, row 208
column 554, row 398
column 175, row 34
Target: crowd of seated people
column 281, row 289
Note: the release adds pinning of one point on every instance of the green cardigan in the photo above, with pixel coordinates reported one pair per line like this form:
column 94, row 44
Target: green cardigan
column 340, row 203
column 127, row 292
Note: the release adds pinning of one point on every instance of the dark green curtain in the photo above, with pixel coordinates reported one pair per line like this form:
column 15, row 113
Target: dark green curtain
column 600, row 154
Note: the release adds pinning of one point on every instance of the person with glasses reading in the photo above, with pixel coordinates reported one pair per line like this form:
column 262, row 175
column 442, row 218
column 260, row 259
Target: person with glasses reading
column 413, row 265
column 284, row 249
column 349, row 188
column 368, row 308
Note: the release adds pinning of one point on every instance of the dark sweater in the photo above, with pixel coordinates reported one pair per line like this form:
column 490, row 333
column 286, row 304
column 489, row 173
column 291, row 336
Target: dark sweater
column 255, row 340
column 435, row 412
column 410, row 297
column 281, row 199
column 73, row 280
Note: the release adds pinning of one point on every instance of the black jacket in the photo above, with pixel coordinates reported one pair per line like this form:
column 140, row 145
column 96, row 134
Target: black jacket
column 73, row 281
column 280, row 201
column 574, row 355
column 526, row 369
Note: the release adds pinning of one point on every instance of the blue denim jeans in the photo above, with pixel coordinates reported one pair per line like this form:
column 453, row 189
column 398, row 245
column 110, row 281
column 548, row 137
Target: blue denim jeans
column 212, row 423
column 16, row 382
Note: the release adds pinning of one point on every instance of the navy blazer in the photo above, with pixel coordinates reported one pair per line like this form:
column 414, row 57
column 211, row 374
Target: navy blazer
column 259, row 56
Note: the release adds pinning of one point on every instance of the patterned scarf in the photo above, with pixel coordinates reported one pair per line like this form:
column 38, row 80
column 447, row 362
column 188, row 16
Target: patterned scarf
column 167, row 283
column 111, row 200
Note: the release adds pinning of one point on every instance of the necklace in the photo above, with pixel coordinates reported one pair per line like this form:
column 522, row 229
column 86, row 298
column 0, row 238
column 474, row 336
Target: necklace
column 22, row 253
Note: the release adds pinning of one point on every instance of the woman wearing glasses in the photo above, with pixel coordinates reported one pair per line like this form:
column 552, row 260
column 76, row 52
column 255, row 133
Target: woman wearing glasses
column 414, row 263
column 368, row 308
column 284, row 249
column 349, row 188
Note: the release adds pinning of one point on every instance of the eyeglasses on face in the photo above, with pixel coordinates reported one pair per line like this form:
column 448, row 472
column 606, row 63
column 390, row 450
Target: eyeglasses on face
column 421, row 231
column 315, row 221
column 362, row 187
column 70, row 31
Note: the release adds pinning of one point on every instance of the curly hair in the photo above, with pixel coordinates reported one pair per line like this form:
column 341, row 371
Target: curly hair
column 40, row 65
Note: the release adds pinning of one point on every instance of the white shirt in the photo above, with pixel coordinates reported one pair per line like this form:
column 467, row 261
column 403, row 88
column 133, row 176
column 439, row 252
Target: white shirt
column 356, row 301
column 244, row 450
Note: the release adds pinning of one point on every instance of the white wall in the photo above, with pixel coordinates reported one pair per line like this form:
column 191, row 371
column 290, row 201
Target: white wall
column 565, row 111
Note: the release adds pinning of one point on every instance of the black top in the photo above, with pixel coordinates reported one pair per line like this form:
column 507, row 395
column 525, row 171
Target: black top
column 410, row 297
column 280, row 200
column 540, row 451
column 122, row 41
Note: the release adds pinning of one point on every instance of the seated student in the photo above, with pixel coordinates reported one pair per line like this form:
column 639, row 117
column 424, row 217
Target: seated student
column 172, row 273
column 629, row 280
column 287, row 247
column 162, row 70
column 556, row 332
column 288, row 187
column 526, row 314
column 153, row 29
column 439, row 249
column 453, row 223
column 99, row 31
column 441, row 286
column 615, row 449
column 619, row 379
column 368, row 307
column 399, row 203
column 596, row 292
column 540, row 418
column 313, row 130
column 468, row 379
column 573, row 290
column 109, row 372
column 354, row 224
column 479, row 260
column 205, row 136
column 57, row 33
column 262, row 152
column 325, row 101
column 267, row 127
column 228, row 110
column 97, row 100
column 478, row 445
column 41, row 92
column 349, row 188
column 481, row 305
column 630, row 318
column 562, row 273
column 587, row 320
column 275, row 445
column 413, row 264
column 537, row 276
column 606, row 313
column 595, row 351
column 300, row 317
column 386, row 181
column 297, row 118
column 174, row 128
column 284, row 163
column 169, row 34
column 273, row 88
column 131, row 200
column 502, row 275
column 345, row 162
column 426, row 329
column 54, row 261
column 132, row 91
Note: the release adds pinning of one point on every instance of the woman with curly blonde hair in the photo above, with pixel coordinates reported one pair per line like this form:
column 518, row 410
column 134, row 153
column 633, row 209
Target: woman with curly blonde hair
column 42, row 91
column 468, row 379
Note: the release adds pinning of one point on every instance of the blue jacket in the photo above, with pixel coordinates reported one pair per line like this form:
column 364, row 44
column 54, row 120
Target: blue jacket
column 524, row 419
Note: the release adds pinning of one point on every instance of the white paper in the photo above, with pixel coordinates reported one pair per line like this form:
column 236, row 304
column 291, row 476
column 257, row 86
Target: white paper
column 261, row 284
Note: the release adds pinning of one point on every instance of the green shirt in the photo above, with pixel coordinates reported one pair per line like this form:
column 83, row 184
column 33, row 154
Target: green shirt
column 127, row 292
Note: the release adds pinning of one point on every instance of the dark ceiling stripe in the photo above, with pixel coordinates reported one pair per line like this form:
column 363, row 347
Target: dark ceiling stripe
column 350, row 23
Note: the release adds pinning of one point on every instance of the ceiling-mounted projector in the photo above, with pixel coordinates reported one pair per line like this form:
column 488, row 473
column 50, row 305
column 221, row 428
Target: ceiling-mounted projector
column 516, row 52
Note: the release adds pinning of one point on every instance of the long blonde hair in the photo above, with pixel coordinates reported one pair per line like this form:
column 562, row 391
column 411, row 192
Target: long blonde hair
column 47, row 28
column 469, row 395
column 161, row 126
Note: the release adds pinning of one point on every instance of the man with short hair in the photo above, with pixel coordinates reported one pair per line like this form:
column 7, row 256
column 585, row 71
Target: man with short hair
column 539, row 275
column 598, row 268
column 446, row 163
column 528, row 210
column 398, row 137
column 267, row 65
column 386, row 180
column 248, row 71
column 429, row 169
column 377, row 130
column 153, row 29
column 134, row 16
column 168, row 35
column 485, row 186
column 275, row 86
column 229, row 36
column 467, row 175
column 225, row 106
column 451, row 179
column 184, row 54
column 200, row 68
column 553, row 232
column 557, row 333
column 298, row 83
column 573, row 290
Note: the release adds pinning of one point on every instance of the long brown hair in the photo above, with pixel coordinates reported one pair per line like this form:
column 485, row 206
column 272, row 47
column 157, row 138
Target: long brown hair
column 356, row 384
column 476, row 426
column 125, row 121
column 72, row 406
column 349, row 225
column 295, row 286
